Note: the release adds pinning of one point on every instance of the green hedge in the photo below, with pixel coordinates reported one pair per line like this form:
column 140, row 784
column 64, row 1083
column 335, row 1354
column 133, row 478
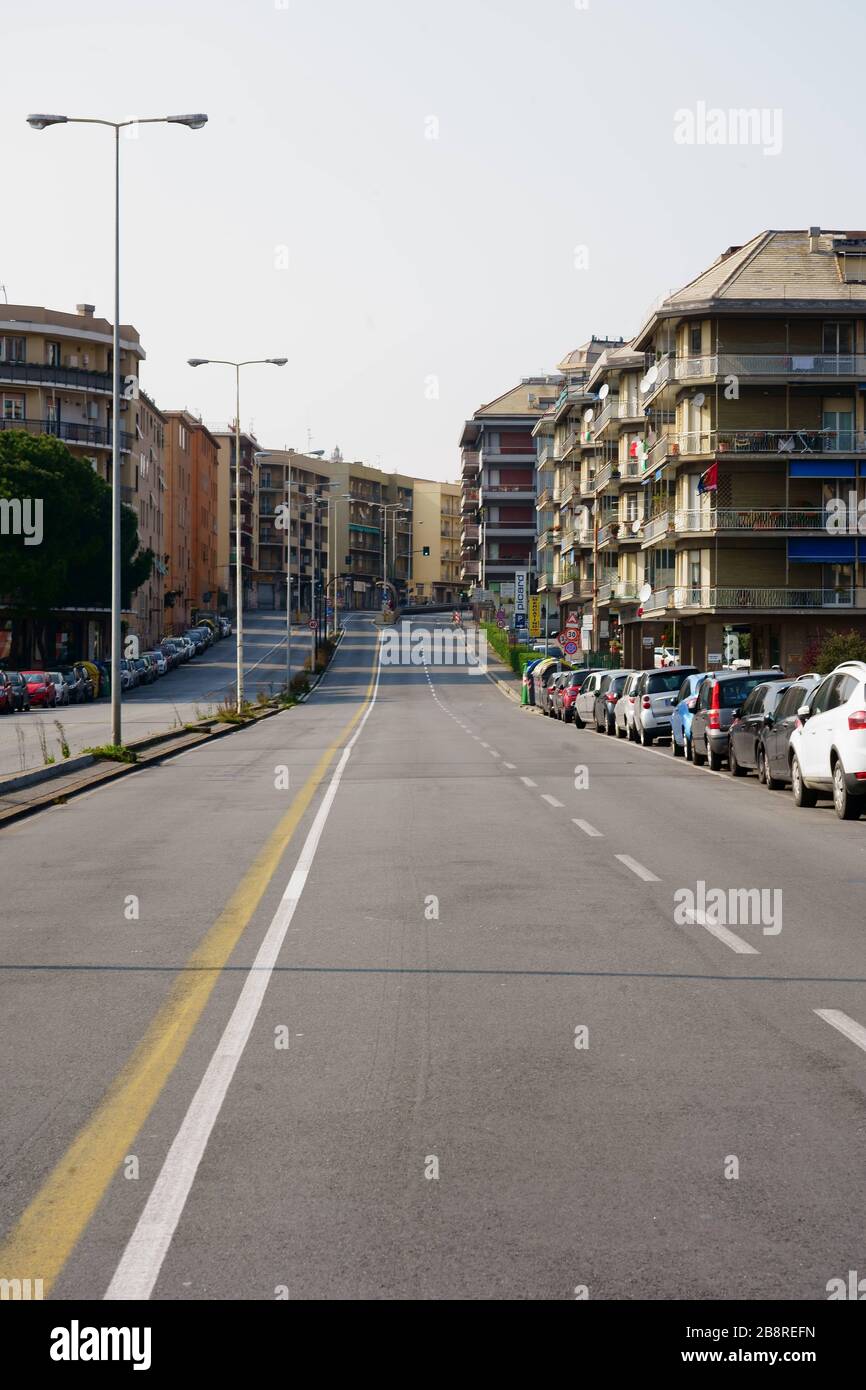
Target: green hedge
column 515, row 657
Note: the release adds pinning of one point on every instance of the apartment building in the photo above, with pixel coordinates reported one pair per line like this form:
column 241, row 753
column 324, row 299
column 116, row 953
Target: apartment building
column 498, row 469
column 307, row 532
column 436, row 564
column 758, row 370
column 562, row 517
column 56, row 378
column 227, row 502
column 192, row 521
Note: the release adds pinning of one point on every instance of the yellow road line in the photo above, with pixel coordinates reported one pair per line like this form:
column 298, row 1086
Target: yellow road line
column 48, row 1230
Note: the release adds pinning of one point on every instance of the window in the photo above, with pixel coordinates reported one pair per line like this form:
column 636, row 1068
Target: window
column 754, row 700
column 52, row 354
column 13, row 408
column 838, row 338
column 820, row 701
column 13, row 349
column 695, row 339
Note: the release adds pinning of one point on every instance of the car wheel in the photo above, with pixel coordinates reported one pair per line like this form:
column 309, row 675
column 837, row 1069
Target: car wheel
column 736, row 770
column 688, row 750
column 803, row 795
column 621, row 733
column 675, row 748
column 846, row 806
column 578, row 722
column 770, row 782
column 645, row 739
column 611, row 728
column 697, row 758
column 632, row 734
column 714, row 762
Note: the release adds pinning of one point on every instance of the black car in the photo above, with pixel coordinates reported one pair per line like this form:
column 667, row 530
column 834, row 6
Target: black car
column 16, row 686
column 74, row 680
column 744, row 737
column 720, row 698
column 773, row 766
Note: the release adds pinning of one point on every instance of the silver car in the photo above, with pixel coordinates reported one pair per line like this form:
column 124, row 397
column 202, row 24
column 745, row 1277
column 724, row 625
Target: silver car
column 656, row 695
column 623, row 712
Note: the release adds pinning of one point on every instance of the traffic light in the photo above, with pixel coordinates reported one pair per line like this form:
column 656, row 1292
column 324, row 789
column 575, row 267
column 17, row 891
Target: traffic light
column 425, row 550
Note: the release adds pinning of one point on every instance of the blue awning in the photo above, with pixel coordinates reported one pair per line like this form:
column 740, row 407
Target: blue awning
column 814, row 468
column 824, row 550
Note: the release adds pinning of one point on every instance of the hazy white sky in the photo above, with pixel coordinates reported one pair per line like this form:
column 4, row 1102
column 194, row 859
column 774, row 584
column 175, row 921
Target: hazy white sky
column 414, row 264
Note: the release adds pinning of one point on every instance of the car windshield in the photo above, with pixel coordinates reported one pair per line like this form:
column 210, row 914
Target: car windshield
column 734, row 693
column 34, row 677
column 617, row 683
column 664, row 680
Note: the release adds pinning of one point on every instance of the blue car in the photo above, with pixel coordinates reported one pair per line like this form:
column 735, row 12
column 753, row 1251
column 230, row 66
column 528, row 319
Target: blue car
column 681, row 719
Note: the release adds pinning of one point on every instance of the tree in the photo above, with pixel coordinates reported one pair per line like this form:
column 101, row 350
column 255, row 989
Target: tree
column 71, row 564
column 839, row 647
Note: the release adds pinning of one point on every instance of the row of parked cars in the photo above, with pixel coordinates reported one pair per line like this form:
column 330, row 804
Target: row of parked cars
column 82, row 681
column 807, row 732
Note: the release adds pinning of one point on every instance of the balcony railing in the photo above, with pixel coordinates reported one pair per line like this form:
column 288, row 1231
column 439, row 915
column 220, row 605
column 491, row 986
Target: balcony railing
column 71, row 432
column 69, row 378
column 743, row 598
column 797, row 365
column 469, row 533
column 753, row 519
column 798, row 440
column 469, row 498
column 657, row 527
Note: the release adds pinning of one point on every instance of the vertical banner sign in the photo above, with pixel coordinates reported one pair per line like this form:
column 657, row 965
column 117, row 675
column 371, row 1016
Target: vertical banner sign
column 520, row 595
column 534, row 615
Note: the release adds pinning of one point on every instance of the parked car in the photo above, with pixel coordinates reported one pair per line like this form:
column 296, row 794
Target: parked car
column 60, row 687
column 665, row 656
column 721, row 696
column 89, row 677
column 744, row 736
column 146, row 670
column 74, row 683
column 609, row 691
column 130, row 677
column 542, row 677
column 774, row 764
column 225, row 627
column 656, row 694
column 171, row 654
column 40, row 688
column 17, row 694
column 828, row 745
column 681, row 717
column 555, row 696
column 584, row 705
column 6, row 698
column 160, row 661
column 623, row 710
column 551, row 650
column 569, row 691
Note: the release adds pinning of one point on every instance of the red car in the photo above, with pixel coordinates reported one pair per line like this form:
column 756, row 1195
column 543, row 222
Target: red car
column 40, row 688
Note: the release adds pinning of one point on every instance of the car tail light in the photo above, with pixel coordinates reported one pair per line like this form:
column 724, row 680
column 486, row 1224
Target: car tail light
column 857, row 720
column 646, row 702
column 611, row 699
column 715, row 719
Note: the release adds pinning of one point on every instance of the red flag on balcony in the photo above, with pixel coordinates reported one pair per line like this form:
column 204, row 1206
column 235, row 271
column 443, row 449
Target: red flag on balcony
column 709, row 481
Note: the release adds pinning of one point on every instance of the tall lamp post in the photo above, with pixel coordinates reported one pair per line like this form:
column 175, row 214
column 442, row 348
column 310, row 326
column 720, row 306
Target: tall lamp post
column 41, row 122
column 239, row 565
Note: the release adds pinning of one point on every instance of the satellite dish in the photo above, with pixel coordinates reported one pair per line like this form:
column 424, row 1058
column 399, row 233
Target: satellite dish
column 650, row 379
column 604, row 392
column 699, row 399
column 589, row 416
column 645, row 593
column 635, row 527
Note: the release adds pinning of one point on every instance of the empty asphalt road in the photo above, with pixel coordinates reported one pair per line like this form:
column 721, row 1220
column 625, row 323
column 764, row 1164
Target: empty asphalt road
column 430, row 1021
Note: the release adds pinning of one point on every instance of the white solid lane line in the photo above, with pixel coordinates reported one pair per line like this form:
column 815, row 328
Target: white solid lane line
column 854, row 1032
column 637, row 868
column 736, row 943
column 140, row 1264
column 511, row 766
column 528, row 782
column 551, row 800
column 588, row 829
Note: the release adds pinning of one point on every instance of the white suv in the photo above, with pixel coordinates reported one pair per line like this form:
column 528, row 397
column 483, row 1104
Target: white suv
column 827, row 751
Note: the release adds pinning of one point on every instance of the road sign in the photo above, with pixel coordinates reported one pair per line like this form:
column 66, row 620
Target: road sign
column 571, row 633
column 312, row 622
column 500, row 616
column 534, row 615
column 572, row 620
column 501, row 622
column 570, row 648
column 329, row 612
column 521, row 590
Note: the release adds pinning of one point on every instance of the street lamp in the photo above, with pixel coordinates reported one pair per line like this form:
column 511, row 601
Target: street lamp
column 385, row 508
column 317, row 501
column 239, row 567
column 42, row 122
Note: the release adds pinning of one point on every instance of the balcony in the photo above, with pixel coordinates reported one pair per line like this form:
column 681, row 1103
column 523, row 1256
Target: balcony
column 68, row 378
column 470, row 533
column 469, row 499
column 572, row 440
column 735, row 519
column 546, row 453
column 658, row 528
column 469, row 569
column 507, row 492
column 734, row 598
column 793, row 366
column 756, row 442
column 545, row 538
column 96, row 436
column 470, row 462
column 616, row 410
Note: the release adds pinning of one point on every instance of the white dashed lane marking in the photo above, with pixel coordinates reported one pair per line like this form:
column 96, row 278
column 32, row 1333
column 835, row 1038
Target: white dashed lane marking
column 638, row 869
column 736, row 943
column 588, row 829
column 854, row 1032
